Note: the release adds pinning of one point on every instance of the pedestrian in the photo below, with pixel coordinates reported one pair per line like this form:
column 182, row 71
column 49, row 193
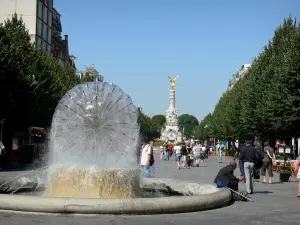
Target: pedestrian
column 220, row 152
column 166, row 150
column 297, row 164
column 147, row 159
column 197, row 153
column 269, row 156
column 177, row 152
column 250, row 157
column 241, row 162
column 161, row 150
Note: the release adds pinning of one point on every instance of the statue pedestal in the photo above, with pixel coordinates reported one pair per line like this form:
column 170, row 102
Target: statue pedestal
column 80, row 183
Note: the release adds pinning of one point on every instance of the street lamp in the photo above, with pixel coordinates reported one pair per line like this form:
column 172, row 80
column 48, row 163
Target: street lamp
column 1, row 131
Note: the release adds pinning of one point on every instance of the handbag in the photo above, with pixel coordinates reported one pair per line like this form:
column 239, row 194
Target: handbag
column 274, row 163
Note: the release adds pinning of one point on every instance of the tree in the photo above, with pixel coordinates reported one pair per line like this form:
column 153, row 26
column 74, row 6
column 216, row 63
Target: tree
column 31, row 83
column 265, row 103
column 203, row 131
column 188, row 123
column 147, row 127
column 159, row 121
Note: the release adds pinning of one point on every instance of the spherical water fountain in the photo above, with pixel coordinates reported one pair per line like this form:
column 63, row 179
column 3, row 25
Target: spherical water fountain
column 93, row 164
column 93, row 144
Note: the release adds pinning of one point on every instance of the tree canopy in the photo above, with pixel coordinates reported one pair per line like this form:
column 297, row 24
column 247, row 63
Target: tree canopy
column 265, row 102
column 188, row 123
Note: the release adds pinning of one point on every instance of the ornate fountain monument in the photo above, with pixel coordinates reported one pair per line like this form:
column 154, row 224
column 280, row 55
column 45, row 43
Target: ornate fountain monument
column 171, row 130
column 93, row 168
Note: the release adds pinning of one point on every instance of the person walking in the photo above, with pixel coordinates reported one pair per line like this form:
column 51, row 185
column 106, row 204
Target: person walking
column 197, row 153
column 267, row 162
column 166, row 149
column 241, row 162
column 177, row 151
column 220, row 152
column 297, row 164
column 147, row 159
column 161, row 150
column 184, row 155
column 250, row 157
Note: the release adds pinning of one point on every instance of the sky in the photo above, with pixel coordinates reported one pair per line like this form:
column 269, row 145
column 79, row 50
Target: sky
column 136, row 44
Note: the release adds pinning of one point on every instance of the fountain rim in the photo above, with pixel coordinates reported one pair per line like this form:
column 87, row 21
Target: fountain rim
column 133, row 206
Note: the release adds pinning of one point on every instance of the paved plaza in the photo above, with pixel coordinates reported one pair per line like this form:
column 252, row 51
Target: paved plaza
column 274, row 204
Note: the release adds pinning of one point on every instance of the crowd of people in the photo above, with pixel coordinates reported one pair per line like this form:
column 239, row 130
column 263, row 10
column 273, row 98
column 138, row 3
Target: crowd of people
column 253, row 161
column 187, row 154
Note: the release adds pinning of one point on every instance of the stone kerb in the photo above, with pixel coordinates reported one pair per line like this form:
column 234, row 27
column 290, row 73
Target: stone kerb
column 202, row 197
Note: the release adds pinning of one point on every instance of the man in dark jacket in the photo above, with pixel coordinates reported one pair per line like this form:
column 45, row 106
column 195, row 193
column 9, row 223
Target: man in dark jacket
column 250, row 157
column 226, row 177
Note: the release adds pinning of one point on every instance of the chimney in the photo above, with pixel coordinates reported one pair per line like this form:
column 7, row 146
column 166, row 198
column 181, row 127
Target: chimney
column 67, row 45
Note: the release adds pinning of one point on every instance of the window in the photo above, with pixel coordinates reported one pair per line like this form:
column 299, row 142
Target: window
column 49, row 50
column 49, row 36
column 38, row 43
column 40, row 9
column 49, row 19
column 41, row 44
column 45, row 32
column 45, row 14
column 40, row 28
column 45, row 47
column 50, row 4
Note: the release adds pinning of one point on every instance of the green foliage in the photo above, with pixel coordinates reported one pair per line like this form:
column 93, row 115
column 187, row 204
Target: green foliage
column 265, row 102
column 158, row 143
column 159, row 121
column 87, row 78
column 188, row 122
column 147, row 127
column 204, row 130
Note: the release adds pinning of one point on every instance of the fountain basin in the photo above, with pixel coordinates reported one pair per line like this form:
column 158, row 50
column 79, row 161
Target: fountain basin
column 82, row 183
column 196, row 197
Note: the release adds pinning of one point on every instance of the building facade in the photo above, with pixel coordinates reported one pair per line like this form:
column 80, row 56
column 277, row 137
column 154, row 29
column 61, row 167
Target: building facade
column 44, row 26
column 239, row 75
column 37, row 17
column 60, row 46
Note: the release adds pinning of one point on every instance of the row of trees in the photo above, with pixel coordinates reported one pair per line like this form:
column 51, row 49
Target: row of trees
column 31, row 83
column 266, row 102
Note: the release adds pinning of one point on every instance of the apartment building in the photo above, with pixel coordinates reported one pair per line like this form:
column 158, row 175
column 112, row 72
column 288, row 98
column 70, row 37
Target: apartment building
column 239, row 75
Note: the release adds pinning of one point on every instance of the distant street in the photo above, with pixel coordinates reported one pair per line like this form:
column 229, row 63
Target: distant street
column 274, row 204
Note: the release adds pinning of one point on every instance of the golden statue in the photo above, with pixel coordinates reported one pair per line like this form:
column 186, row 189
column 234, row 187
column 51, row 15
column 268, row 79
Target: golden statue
column 172, row 80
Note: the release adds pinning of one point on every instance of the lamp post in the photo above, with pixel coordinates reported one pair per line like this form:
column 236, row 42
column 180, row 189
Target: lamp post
column 1, row 131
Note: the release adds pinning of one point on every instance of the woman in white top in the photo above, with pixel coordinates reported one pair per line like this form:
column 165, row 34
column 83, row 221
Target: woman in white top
column 177, row 151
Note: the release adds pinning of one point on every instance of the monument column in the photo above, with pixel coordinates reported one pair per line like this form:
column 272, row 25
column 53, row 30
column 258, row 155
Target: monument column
column 171, row 131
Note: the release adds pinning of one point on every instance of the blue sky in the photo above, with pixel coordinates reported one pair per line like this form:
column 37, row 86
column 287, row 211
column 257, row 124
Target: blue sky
column 136, row 44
